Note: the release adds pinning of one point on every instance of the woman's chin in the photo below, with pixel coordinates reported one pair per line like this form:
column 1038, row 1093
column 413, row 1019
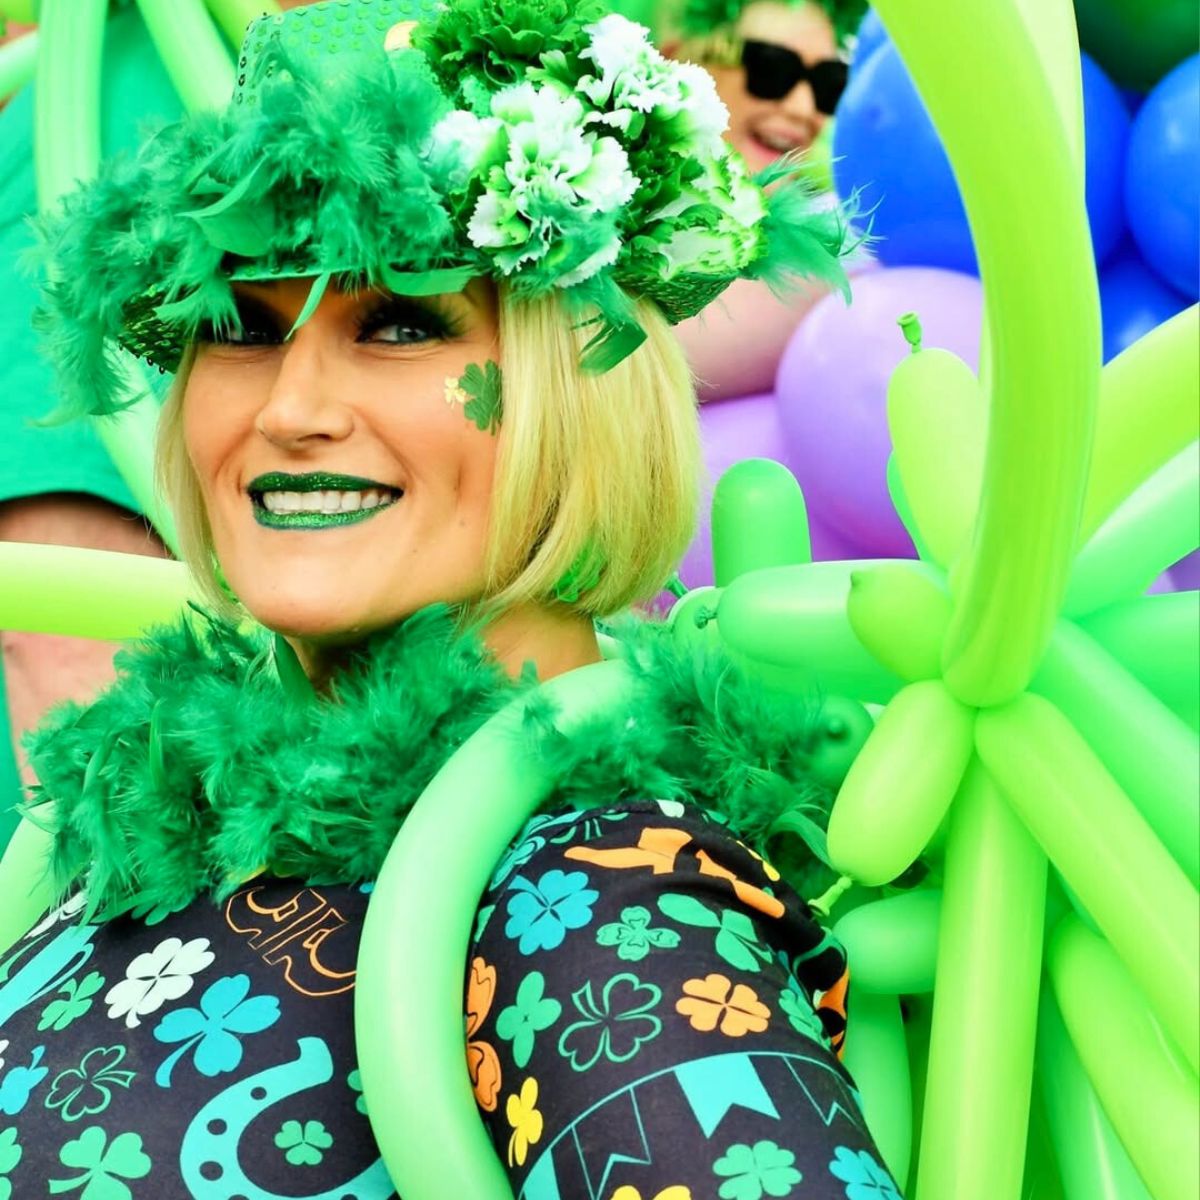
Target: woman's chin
column 331, row 618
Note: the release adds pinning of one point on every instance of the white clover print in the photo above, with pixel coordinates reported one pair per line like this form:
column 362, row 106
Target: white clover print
column 63, row 912
column 162, row 974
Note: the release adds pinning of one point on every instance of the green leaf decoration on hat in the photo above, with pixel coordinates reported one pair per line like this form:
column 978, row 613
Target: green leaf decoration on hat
column 233, row 224
column 427, row 283
column 485, row 404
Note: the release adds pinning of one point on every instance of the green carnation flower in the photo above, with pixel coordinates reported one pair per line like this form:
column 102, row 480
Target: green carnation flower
column 714, row 226
column 497, row 41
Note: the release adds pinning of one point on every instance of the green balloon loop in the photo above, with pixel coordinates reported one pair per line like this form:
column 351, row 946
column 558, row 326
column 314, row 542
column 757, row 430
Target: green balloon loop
column 491, row 786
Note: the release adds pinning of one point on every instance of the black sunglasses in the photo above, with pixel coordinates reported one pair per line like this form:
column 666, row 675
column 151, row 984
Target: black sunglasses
column 772, row 71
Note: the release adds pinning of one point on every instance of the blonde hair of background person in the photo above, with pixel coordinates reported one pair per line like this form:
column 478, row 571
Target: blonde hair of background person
column 734, row 346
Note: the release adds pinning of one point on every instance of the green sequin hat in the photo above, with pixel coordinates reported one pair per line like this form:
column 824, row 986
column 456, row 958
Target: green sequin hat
column 539, row 143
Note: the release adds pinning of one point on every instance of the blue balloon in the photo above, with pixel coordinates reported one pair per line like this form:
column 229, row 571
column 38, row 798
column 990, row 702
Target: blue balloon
column 885, row 145
column 1133, row 300
column 871, row 35
column 1162, row 178
column 1106, row 125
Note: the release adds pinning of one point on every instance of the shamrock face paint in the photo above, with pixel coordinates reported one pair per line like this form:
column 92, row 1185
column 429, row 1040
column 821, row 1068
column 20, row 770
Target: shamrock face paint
column 342, row 491
column 478, row 391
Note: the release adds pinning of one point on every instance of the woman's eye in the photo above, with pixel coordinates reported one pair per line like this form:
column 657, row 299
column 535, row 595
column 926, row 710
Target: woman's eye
column 398, row 333
column 251, row 333
column 394, row 323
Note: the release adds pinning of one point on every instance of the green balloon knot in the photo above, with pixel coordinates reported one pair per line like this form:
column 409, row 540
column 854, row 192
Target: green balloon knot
column 910, row 324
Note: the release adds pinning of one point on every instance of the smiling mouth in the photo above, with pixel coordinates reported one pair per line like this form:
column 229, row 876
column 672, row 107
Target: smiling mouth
column 775, row 143
column 318, row 500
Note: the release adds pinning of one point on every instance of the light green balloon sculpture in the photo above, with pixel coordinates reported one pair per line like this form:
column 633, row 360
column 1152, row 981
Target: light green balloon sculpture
column 1038, row 741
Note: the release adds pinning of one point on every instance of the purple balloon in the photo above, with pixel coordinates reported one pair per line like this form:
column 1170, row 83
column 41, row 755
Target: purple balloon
column 1185, row 574
column 730, row 430
column 832, row 389
column 828, row 546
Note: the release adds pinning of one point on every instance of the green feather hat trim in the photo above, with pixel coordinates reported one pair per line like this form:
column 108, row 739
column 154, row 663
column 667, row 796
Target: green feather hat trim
column 701, row 18
column 540, row 143
column 201, row 764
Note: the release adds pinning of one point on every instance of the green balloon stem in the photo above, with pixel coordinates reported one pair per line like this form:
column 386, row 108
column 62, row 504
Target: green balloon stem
column 910, row 325
column 191, row 50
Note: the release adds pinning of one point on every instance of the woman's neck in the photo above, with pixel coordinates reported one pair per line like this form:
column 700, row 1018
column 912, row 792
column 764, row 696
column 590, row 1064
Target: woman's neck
column 553, row 638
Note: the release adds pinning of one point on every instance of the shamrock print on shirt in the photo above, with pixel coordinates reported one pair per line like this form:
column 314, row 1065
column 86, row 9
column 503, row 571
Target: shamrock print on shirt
column 151, row 979
column 226, row 1010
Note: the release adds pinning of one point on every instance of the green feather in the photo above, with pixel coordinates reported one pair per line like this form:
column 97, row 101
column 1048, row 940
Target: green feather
column 318, row 789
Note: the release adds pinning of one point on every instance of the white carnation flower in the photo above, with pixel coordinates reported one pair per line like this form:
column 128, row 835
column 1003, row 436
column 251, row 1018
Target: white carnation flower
column 556, row 172
column 459, row 144
column 632, row 76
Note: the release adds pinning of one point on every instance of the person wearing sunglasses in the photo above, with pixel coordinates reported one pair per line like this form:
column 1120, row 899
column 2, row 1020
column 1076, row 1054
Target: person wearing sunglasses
column 780, row 68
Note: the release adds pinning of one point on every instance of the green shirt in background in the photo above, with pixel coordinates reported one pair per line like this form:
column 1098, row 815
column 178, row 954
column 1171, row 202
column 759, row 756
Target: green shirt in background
column 36, row 461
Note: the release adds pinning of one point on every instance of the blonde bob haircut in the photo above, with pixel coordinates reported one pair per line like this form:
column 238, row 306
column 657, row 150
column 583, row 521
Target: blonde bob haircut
column 597, row 475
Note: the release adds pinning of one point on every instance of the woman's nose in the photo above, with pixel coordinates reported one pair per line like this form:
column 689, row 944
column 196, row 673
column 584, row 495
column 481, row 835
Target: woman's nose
column 307, row 400
column 799, row 103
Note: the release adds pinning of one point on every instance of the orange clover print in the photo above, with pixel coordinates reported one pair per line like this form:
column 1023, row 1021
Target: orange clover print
column 522, row 1114
column 482, row 1060
column 715, row 1002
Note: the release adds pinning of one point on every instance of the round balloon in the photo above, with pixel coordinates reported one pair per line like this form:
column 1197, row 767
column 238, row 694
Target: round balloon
column 885, row 145
column 730, row 430
column 871, row 35
column 1162, row 178
column 1106, row 123
column 1133, row 300
column 1138, row 41
column 832, row 389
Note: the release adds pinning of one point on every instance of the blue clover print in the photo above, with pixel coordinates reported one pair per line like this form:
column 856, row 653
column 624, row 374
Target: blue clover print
column 864, row 1178
column 17, row 1086
column 226, row 1011
column 540, row 914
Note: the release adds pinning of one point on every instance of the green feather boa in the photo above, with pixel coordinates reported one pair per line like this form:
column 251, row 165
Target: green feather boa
column 200, row 766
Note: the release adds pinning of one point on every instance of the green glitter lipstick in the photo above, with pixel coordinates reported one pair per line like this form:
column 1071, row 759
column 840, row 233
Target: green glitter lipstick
column 317, row 500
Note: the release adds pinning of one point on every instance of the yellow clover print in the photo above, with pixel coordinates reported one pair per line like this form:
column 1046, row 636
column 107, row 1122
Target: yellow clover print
column 522, row 1114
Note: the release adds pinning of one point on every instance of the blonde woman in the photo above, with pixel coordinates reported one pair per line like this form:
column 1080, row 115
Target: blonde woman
column 428, row 424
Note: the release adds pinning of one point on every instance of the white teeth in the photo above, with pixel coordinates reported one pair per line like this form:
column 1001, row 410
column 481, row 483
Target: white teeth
column 327, row 502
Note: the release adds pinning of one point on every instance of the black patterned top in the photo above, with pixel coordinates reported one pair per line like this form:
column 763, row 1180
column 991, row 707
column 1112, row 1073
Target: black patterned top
column 651, row 1013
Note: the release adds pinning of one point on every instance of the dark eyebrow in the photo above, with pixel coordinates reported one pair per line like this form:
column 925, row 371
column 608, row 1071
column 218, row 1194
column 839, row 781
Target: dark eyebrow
column 249, row 305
